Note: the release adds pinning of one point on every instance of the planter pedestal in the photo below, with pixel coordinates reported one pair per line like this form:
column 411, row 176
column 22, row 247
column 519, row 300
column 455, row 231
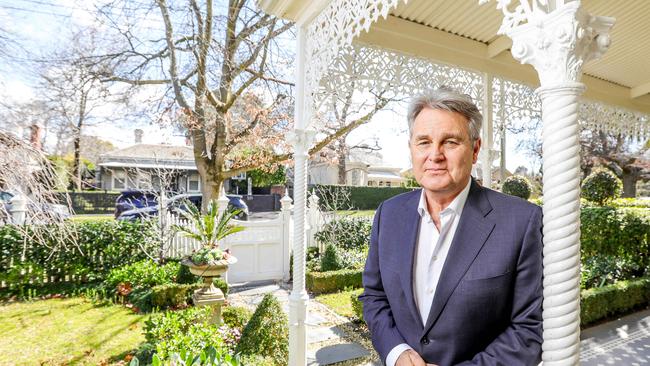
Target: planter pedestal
column 209, row 294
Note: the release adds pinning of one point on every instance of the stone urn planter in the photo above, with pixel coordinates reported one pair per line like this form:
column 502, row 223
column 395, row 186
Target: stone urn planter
column 209, row 294
column 208, row 272
column 209, row 229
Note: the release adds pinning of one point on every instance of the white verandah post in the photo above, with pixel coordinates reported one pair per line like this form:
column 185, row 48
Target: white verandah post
column 301, row 139
column 558, row 38
column 487, row 132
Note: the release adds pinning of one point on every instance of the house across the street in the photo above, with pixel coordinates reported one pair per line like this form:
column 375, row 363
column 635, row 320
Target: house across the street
column 148, row 166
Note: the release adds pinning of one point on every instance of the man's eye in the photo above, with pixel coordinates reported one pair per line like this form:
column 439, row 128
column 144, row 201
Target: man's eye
column 423, row 142
column 451, row 142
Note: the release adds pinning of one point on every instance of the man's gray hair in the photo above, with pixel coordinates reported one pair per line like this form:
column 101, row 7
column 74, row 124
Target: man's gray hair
column 448, row 100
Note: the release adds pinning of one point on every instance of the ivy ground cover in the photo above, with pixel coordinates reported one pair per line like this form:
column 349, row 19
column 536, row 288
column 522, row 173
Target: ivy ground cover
column 67, row 331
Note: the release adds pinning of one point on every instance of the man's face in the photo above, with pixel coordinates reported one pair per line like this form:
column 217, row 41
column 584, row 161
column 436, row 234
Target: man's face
column 442, row 152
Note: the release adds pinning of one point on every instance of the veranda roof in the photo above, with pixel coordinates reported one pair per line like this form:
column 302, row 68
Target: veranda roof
column 464, row 34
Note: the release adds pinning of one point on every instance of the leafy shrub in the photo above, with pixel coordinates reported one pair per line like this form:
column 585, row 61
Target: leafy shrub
column 210, row 356
column 357, row 305
column 86, row 251
column 185, row 276
column 601, row 186
column 631, row 202
column 332, row 281
column 145, row 273
column 236, row 316
column 161, row 326
column 601, row 270
column 349, row 233
column 172, row 295
column 622, row 233
column 518, row 186
column 330, row 260
column 267, row 332
column 187, row 330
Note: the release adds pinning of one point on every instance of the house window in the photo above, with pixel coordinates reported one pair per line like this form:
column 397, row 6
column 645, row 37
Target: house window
column 355, row 178
column 144, row 181
column 119, row 179
column 381, row 183
column 387, row 184
column 371, row 183
column 193, row 183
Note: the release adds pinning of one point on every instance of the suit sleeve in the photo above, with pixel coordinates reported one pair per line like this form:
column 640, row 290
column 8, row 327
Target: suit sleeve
column 376, row 309
column 520, row 343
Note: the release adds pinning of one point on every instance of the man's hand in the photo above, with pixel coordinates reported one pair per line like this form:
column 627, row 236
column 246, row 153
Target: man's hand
column 411, row 358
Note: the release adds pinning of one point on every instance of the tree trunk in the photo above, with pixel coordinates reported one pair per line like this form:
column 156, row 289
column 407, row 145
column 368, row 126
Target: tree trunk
column 629, row 184
column 211, row 184
column 341, row 154
column 76, row 168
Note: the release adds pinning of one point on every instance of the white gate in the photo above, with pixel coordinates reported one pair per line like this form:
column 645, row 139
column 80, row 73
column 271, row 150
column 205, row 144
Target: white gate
column 262, row 249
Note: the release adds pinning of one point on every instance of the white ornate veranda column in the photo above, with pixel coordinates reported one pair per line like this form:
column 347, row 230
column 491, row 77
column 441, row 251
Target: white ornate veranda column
column 301, row 139
column 558, row 38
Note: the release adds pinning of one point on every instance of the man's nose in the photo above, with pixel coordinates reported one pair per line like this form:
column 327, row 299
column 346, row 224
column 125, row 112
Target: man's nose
column 435, row 153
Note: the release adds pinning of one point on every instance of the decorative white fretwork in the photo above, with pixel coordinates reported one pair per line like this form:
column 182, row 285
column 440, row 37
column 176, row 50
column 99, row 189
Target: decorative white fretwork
column 334, row 29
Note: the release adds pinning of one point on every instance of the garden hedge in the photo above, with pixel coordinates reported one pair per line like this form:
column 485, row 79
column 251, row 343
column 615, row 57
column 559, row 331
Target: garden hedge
column 78, row 252
column 361, row 198
column 602, row 302
column 619, row 232
column 332, row 281
column 595, row 304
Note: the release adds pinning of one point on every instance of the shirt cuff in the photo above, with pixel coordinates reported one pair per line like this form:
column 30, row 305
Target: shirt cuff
column 393, row 355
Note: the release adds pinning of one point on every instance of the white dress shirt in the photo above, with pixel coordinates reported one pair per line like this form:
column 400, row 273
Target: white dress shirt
column 432, row 248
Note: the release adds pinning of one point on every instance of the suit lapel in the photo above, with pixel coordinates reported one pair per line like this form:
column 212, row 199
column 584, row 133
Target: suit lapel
column 471, row 233
column 407, row 233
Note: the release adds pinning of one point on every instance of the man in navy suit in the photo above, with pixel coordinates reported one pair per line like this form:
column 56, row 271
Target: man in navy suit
column 454, row 271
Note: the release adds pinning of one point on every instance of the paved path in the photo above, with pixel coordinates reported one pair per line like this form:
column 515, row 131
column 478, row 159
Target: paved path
column 327, row 343
column 625, row 341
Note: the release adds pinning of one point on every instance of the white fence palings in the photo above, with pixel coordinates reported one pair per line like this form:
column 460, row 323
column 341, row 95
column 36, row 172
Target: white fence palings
column 261, row 249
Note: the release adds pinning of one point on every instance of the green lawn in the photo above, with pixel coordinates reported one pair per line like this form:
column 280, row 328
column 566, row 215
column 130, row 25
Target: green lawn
column 70, row 331
column 339, row 302
column 98, row 217
column 356, row 213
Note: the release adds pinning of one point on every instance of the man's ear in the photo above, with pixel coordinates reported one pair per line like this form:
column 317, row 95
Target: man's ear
column 476, row 148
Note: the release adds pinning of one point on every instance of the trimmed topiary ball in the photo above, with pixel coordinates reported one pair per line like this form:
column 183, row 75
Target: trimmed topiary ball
column 601, row 186
column 518, row 186
column 267, row 332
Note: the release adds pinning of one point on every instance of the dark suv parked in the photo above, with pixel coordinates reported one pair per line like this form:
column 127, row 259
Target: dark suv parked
column 129, row 200
column 178, row 202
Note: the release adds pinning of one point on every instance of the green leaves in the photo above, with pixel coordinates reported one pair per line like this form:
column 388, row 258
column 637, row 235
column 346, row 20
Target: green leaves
column 208, row 228
column 601, row 186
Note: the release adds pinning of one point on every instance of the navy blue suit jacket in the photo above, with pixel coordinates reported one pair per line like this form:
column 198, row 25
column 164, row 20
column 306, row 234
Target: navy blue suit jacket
column 487, row 308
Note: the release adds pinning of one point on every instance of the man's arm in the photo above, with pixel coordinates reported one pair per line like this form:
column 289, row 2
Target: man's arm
column 520, row 343
column 376, row 310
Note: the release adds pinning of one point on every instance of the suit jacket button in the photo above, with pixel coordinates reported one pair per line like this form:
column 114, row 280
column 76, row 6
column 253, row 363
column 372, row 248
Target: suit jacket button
column 424, row 341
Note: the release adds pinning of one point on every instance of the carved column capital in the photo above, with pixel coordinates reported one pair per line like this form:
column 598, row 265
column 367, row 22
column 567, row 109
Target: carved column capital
column 301, row 139
column 556, row 41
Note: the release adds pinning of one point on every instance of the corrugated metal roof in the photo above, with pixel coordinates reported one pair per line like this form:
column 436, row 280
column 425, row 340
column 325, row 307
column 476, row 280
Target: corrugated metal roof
column 626, row 63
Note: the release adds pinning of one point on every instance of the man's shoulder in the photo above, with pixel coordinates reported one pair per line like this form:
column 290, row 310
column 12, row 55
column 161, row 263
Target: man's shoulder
column 401, row 199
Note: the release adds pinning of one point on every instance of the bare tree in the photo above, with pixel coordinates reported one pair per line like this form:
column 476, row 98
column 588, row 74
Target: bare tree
column 74, row 92
column 348, row 115
column 227, row 72
column 616, row 152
